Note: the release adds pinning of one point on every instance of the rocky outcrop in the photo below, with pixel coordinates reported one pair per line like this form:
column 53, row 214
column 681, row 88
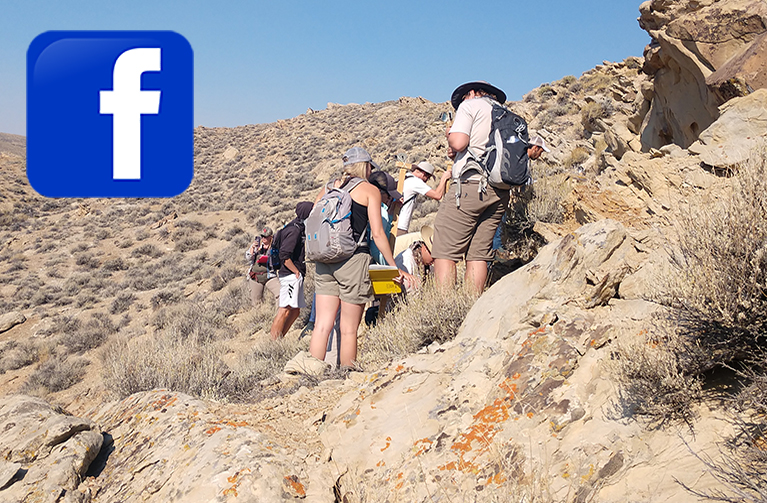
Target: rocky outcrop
column 702, row 54
column 741, row 127
column 167, row 447
column 44, row 453
column 521, row 400
column 10, row 320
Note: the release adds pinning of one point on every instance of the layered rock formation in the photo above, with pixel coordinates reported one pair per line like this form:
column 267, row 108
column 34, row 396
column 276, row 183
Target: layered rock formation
column 702, row 54
column 44, row 453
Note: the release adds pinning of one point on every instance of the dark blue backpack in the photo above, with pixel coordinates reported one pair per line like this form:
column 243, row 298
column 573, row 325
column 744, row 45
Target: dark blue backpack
column 273, row 262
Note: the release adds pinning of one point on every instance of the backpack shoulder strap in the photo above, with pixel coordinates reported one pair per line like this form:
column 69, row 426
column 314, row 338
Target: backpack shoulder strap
column 352, row 183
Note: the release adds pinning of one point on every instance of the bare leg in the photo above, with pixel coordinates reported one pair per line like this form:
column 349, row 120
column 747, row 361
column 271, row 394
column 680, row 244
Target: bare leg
column 351, row 315
column 327, row 307
column 279, row 323
column 476, row 274
column 444, row 272
column 292, row 317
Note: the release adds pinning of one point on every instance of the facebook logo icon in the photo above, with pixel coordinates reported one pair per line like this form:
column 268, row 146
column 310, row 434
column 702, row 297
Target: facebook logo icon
column 110, row 114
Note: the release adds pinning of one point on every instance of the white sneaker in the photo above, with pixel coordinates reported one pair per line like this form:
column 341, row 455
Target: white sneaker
column 305, row 363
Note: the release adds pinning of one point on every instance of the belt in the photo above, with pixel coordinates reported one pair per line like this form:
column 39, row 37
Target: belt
column 478, row 179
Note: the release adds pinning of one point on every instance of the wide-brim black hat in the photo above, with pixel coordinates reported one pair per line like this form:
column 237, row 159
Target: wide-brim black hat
column 481, row 85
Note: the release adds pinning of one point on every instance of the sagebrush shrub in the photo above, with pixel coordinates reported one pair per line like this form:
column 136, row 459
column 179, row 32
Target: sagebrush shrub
column 432, row 314
column 720, row 285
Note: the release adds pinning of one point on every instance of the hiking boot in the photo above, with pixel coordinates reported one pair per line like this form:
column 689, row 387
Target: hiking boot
column 305, row 363
column 308, row 329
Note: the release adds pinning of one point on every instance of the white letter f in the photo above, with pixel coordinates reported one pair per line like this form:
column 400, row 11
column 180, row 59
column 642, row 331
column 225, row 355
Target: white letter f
column 126, row 102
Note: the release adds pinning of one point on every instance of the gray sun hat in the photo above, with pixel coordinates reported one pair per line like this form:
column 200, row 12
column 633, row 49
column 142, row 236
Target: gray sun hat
column 358, row 154
column 425, row 167
column 539, row 142
column 266, row 232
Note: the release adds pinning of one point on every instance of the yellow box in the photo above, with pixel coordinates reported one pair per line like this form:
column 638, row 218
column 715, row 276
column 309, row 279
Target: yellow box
column 382, row 277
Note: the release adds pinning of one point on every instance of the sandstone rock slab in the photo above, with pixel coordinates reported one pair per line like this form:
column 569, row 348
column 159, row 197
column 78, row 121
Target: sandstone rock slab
column 51, row 451
column 170, row 447
column 740, row 128
column 10, row 320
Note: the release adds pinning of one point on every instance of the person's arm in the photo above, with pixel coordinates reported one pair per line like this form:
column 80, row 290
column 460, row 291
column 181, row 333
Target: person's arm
column 378, row 234
column 290, row 237
column 458, row 141
column 458, row 136
column 292, row 267
column 250, row 253
column 439, row 192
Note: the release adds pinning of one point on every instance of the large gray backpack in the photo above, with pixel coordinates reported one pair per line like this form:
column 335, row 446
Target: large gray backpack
column 329, row 236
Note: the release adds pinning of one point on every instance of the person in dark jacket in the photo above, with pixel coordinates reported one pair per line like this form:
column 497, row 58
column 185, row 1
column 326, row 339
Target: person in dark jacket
column 292, row 272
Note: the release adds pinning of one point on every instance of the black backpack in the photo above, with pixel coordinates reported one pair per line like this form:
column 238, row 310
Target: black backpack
column 505, row 160
column 273, row 263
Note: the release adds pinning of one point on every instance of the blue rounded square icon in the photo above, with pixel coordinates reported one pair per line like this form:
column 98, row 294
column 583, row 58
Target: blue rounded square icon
column 110, row 114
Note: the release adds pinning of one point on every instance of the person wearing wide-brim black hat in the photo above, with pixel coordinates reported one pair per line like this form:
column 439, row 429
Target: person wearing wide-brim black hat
column 470, row 213
column 480, row 86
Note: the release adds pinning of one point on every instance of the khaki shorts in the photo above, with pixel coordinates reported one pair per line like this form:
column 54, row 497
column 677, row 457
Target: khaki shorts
column 468, row 231
column 348, row 280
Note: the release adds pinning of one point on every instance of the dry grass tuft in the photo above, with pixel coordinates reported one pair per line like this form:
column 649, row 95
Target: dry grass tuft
column 431, row 315
column 16, row 355
column 576, row 157
column 167, row 360
column 718, row 304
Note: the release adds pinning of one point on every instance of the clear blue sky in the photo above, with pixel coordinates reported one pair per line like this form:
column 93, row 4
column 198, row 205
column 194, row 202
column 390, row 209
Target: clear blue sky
column 258, row 61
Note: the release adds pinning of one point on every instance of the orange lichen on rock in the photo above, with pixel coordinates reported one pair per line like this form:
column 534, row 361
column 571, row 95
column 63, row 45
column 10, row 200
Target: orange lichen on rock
column 212, row 430
column 388, row 444
column 163, row 402
column 499, row 478
column 297, row 487
column 422, row 446
column 235, row 480
column 479, row 437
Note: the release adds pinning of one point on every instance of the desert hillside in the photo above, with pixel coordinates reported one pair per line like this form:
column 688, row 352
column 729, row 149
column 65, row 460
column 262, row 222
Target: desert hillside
column 618, row 354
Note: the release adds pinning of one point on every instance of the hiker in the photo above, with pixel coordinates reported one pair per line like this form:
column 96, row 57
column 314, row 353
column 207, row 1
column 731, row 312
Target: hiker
column 415, row 183
column 259, row 278
column 387, row 186
column 468, row 218
column 292, row 271
column 347, row 283
column 521, row 195
column 416, row 258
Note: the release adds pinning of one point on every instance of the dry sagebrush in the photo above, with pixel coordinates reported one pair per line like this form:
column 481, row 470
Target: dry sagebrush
column 433, row 314
column 718, row 305
column 721, row 286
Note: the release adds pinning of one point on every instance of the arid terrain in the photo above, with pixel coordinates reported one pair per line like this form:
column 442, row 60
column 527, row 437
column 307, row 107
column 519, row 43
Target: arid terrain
column 619, row 353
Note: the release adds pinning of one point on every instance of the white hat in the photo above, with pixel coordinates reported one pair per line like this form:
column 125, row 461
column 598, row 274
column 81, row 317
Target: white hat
column 425, row 167
column 539, row 142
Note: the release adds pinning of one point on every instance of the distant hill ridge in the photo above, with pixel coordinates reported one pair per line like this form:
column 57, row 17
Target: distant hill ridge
column 13, row 144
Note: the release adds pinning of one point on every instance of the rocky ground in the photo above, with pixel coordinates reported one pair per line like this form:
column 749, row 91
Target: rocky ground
column 521, row 406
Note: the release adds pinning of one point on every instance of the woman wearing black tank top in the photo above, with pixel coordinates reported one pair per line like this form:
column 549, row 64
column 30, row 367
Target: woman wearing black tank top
column 347, row 284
